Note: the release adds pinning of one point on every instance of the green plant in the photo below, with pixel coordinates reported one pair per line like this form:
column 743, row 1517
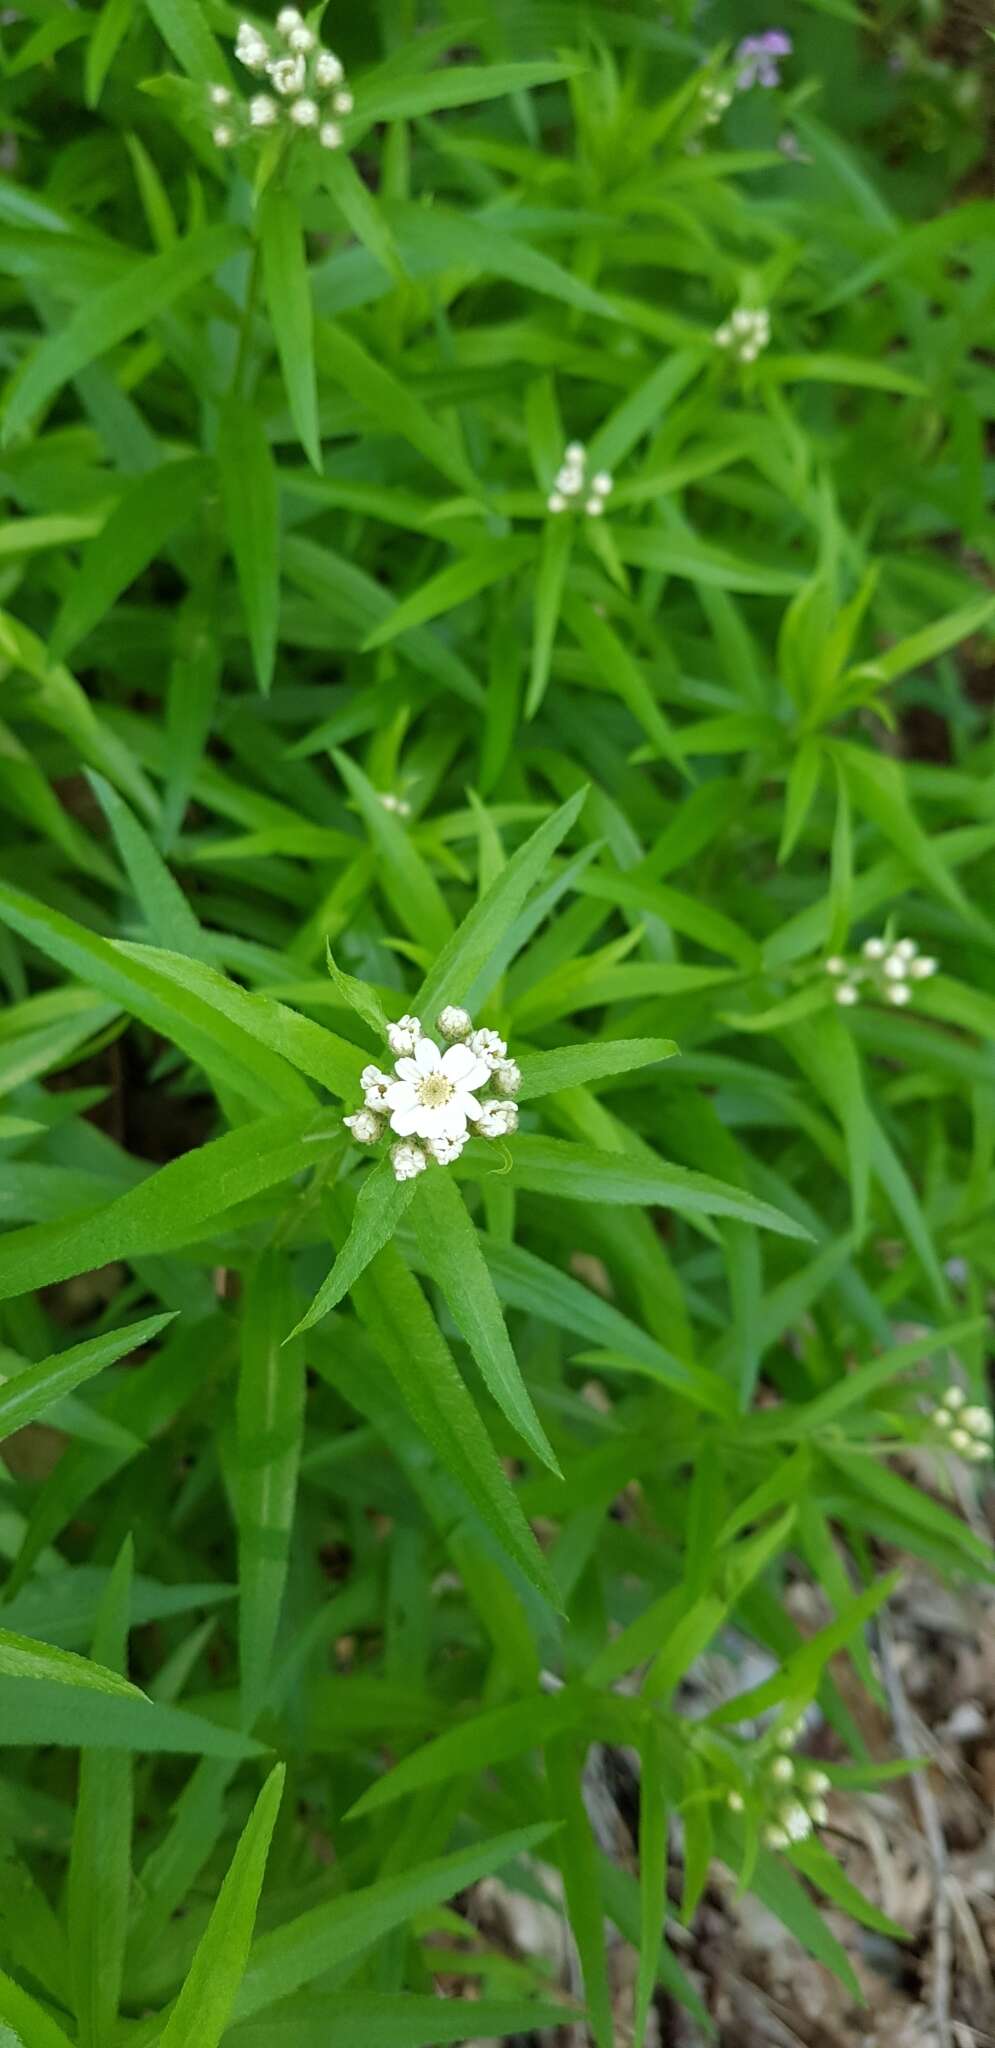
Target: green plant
column 337, row 694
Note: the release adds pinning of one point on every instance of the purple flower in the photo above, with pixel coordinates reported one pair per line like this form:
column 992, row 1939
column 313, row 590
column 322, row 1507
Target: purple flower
column 757, row 57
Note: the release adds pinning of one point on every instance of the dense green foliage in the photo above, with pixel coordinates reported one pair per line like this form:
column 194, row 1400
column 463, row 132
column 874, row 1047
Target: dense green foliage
column 407, row 1492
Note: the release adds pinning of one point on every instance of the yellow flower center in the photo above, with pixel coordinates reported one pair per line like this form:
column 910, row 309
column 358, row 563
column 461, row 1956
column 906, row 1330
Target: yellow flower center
column 434, row 1091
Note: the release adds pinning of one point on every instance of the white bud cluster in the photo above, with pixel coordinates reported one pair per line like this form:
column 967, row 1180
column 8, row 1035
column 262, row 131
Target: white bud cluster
column 790, row 1791
column 399, row 805
column 436, row 1100
column 573, row 485
column 966, row 1427
column 744, row 334
column 887, row 968
column 715, row 99
column 308, row 82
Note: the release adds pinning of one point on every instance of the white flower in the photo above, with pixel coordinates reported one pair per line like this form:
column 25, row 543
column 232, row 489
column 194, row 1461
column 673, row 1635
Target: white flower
column 507, row 1077
column 445, row 1150
column 302, row 39
column 374, row 1085
column 961, row 1440
column 489, row 1047
column 782, row 1770
column 836, row 964
column 775, row 1838
column 874, row 949
column 734, row 1801
column 819, row 1812
column 979, row 1420
column 365, row 1127
column 288, row 19
column 556, row 502
column 224, row 136
column 922, row 968
column 288, row 74
column 408, row 1161
column 955, row 1397
column 330, row 137
column 899, row 992
column 896, row 966
column 220, row 96
column 745, row 333
column 262, row 111
column 327, row 69
column 497, row 1119
column 343, row 102
column 603, row 483
column 847, row 994
column 575, row 452
column 796, row 1822
column 304, row 113
column 403, row 1036
column 454, row 1022
column 907, row 948
column 251, row 48
column 594, row 507
column 433, row 1094
column 817, row 1783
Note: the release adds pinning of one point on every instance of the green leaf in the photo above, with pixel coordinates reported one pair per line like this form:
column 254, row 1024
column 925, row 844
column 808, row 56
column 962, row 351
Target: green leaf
column 414, row 894
column 398, row 2019
column 380, row 1206
column 133, row 977
column 151, row 510
column 317, row 1941
column 200, row 2016
column 169, row 917
column 175, row 1206
column 250, row 496
column 578, row 1861
column 35, row 2028
column 572, row 1066
column 270, row 1421
column 100, row 1861
column 23, row 1657
column 288, row 296
column 554, row 560
column 459, row 85
column 424, row 1370
column 185, row 32
column 452, row 1254
column 109, row 315
column 452, row 587
column 27, row 1396
column 464, row 957
column 578, row 1173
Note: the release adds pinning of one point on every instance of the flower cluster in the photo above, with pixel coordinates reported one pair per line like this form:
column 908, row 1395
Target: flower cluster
column 968, row 1430
column 308, row 85
column 757, row 58
column 889, row 966
column 573, row 483
column 756, row 62
column 791, row 1790
column 434, row 1100
column 745, row 333
column 715, row 99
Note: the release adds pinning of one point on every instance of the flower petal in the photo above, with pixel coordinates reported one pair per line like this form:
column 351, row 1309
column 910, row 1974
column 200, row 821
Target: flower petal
column 401, row 1095
column 406, row 1121
column 427, row 1055
column 457, row 1061
column 463, row 1065
column 407, row 1070
column 452, row 1120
